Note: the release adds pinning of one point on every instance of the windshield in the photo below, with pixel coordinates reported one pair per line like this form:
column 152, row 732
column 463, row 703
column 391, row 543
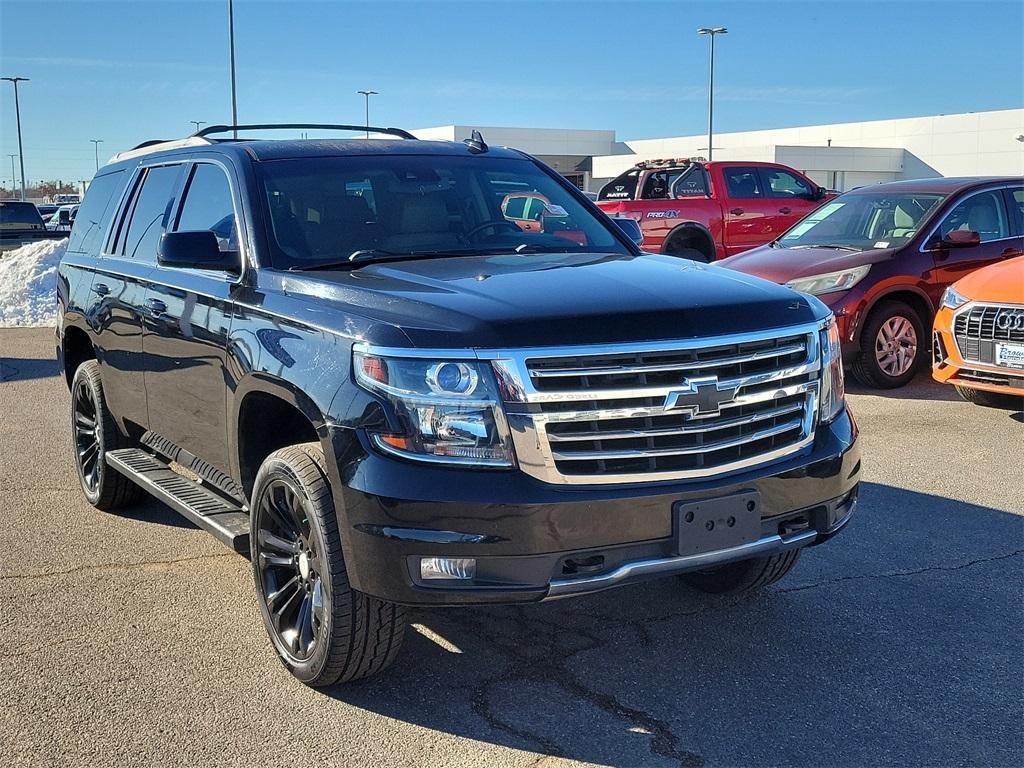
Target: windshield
column 18, row 215
column 864, row 220
column 325, row 210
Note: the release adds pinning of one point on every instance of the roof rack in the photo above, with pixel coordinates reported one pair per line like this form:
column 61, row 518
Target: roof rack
column 199, row 138
column 399, row 132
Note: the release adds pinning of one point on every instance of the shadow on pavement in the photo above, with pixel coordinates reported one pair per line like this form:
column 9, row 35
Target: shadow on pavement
column 896, row 643
column 27, row 368
column 922, row 387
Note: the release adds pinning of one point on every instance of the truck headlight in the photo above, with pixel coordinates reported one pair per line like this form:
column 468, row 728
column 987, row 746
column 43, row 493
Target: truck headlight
column 829, row 282
column 448, row 410
column 953, row 299
column 833, row 387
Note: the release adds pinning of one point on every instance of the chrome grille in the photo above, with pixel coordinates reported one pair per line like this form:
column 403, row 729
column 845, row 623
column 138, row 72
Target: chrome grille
column 583, row 417
column 977, row 328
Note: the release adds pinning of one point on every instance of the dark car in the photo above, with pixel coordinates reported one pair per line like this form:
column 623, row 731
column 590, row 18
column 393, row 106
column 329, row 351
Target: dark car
column 345, row 359
column 21, row 224
column 880, row 257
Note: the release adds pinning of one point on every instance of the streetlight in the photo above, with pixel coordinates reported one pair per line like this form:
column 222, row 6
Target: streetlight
column 197, row 123
column 711, row 32
column 96, row 146
column 17, row 111
column 14, row 174
column 368, row 94
column 231, row 48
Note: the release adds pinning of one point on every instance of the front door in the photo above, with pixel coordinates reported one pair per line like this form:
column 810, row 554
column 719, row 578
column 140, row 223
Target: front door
column 747, row 224
column 187, row 325
column 790, row 198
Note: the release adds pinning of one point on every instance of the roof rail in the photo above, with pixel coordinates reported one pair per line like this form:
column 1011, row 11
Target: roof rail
column 159, row 145
column 399, row 132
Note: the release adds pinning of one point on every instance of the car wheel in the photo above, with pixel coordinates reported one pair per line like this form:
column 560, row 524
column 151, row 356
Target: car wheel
column 93, row 434
column 324, row 631
column 743, row 576
column 685, row 252
column 989, row 399
column 891, row 346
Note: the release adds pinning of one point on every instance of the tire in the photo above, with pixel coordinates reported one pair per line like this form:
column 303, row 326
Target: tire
column 686, row 252
column 743, row 576
column 323, row 630
column 883, row 361
column 989, row 399
column 94, row 433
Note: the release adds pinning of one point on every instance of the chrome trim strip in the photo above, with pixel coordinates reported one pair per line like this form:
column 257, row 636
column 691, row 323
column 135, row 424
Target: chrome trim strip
column 684, row 366
column 668, row 565
column 625, row 434
column 715, row 445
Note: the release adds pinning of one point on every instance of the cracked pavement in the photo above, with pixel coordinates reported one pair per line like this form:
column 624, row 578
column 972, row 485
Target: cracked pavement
column 134, row 638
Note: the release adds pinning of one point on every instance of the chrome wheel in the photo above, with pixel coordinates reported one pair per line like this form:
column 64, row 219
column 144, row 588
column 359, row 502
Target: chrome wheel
column 290, row 567
column 896, row 346
column 87, row 441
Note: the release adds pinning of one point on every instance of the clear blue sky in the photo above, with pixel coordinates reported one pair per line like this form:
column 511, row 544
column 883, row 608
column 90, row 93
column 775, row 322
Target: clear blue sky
column 130, row 71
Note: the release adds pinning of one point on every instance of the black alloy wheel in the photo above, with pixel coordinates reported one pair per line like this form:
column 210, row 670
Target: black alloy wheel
column 87, row 439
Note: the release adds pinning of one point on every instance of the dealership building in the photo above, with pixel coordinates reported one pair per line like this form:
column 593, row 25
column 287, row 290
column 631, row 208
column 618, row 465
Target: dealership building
column 838, row 156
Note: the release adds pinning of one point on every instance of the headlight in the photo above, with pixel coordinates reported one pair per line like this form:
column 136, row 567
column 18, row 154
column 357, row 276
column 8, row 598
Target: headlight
column 448, row 410
column 953, row 300
column 843, row 280
column 833, row 388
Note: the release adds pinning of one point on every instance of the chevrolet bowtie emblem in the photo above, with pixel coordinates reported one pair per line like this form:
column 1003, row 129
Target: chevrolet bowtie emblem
column 700, row 397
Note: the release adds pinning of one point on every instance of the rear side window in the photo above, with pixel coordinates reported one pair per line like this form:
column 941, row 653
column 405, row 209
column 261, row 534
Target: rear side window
column 94, row 213
column 208, row 206
column 690, row 183
column 782, row 183
column 622, row 188
column 742, row 183
column 1015, row 201
column 148, row 217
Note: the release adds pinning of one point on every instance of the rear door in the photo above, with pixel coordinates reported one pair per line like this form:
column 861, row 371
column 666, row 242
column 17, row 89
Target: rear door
column 790, row 198
column 188, row 318
column 745, row 209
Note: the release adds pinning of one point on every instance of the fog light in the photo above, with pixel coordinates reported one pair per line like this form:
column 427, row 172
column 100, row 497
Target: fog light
column 447, row 567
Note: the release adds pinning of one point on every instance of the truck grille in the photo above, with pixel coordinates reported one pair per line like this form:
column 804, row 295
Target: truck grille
column 600, row 418
column 977, row 329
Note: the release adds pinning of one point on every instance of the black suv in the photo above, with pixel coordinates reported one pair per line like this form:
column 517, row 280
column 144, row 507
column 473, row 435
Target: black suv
column 346, row 348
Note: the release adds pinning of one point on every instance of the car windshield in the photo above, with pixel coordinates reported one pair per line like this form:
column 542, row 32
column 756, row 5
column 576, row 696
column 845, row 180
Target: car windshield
column 860, row 221
column 330, row 211
column 16, row 215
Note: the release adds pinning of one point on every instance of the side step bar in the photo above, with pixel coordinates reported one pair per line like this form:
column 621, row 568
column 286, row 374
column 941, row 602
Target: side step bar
column 210, row 511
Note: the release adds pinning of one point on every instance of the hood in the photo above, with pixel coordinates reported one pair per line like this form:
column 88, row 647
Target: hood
column 550, row 299
column 780, row 265
column 1000, row 283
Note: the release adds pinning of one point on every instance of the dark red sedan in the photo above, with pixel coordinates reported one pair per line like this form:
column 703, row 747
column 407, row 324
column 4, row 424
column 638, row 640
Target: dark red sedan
column 882, row 256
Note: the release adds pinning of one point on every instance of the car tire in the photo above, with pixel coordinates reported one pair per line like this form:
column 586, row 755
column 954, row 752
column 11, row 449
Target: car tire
column 742, row 576
column 93, row 433
column 890, row 330
column 989, row 399
column 682, row 252
column 323, row 630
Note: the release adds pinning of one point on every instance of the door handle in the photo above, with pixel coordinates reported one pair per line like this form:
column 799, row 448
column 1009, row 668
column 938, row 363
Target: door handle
column 785, row 210
column 736, row 211
column 156, row 307
column 100, row 289
column 1009, row 252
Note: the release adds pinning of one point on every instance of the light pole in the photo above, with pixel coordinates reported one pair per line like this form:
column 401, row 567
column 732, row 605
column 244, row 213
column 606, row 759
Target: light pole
column 711, row 32
column 368, row 94
column 197, row 123
column 14, row 174
column 231, row 47
column 17, row 112
column 96, row 146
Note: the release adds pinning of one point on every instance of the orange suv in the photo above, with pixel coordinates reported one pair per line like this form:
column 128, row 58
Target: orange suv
column 978, row 341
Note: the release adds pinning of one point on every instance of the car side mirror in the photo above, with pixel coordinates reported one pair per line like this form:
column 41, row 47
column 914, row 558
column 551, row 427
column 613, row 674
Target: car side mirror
column 819, row 193
column 631, row 228
column 961, row 238
column 195, row 250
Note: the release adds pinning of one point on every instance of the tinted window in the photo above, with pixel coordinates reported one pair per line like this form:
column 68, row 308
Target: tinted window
column 657, row 184
column 982, row 213
column 1015, row 199
column 149, row 214
column 19, row 215
column 208, row 206
column 785, row 184
column 691, row 182
column 742, row 182
column 622, row 188
column 94, row 213
column 515, row 207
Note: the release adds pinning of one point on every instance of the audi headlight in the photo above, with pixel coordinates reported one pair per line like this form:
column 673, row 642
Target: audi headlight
column 833, row 387
column 829, row 282
column 952, row 299
column 448, row 410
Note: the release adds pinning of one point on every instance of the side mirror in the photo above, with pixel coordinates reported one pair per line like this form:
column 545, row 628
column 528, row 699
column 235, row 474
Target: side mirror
column 819, row 193
column 195, row 250
column 631, row 228
column 961, row 238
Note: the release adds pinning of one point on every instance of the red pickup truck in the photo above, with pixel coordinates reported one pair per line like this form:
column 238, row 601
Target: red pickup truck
column 710, row 210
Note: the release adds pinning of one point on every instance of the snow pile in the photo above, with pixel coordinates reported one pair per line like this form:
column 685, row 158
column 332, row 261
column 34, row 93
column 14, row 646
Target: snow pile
column 28, row 284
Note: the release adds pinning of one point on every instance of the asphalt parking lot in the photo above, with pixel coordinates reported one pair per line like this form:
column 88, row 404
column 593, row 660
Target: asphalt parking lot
column 135, row 638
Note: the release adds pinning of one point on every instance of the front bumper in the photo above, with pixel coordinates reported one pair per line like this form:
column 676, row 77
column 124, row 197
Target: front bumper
column 949, row 367
column 535, row 541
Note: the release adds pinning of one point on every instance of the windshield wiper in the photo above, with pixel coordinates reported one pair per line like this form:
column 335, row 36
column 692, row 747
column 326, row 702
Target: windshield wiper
column 826, row 245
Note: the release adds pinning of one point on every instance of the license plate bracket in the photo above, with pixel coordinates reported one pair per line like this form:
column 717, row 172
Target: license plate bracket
column 709, row 525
